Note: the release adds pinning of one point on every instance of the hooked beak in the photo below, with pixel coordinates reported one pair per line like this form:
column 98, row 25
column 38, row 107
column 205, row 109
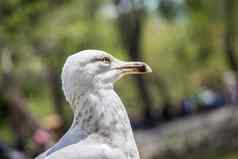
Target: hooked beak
column 134, row 68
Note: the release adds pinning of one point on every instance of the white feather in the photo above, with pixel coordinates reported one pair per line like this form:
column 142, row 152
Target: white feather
column 101, row 128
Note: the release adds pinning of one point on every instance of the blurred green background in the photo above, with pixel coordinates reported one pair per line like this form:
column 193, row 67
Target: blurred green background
column 191, row 45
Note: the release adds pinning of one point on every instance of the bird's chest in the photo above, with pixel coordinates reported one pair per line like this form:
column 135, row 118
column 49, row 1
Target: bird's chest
column 117, row 135
column 124, row 145
column 104, row 117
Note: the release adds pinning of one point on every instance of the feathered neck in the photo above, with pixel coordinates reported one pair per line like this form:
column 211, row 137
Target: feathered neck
column 99, row 106
column 100, row 114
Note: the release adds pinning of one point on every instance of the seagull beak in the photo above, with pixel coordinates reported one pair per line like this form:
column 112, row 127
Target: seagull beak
column 134, row 68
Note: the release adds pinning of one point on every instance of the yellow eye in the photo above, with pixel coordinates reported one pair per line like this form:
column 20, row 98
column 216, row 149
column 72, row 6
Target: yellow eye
column 106, row 60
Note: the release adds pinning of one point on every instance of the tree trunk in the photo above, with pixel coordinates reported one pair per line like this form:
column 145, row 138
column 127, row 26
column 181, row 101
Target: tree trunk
column 143, row 91
column 130, row 26
column 229, row 34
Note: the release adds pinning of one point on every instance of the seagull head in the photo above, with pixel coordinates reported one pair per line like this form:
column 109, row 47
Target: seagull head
column 94, row 69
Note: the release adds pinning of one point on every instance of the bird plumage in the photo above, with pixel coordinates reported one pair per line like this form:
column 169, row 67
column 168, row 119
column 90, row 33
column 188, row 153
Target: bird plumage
column 101, row 128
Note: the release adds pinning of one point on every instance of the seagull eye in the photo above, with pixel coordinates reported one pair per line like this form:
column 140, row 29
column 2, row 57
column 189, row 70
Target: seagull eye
column 106, row 60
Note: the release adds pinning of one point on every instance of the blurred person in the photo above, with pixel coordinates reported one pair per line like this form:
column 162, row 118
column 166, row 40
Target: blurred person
column 44, row 138
column 9, row 153
column 54, row 124
column 209, row 98
column 187, row 106
column 41, row 139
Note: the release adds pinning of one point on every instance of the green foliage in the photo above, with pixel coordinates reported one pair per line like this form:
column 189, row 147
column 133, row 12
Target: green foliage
column 168, row 9
column 41, row 34
column 183, row 48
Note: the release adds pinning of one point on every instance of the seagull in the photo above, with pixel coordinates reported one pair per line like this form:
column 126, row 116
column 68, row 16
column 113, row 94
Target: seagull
column 101, row 127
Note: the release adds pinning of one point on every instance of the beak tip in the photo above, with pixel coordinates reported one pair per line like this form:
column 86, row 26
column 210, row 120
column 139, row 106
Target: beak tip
column 148, row 69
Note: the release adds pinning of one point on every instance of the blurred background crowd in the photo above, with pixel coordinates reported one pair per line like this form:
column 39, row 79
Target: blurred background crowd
column 191, row 46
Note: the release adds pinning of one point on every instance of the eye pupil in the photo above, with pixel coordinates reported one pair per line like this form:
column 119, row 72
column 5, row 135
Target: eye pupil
column 106, row 60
